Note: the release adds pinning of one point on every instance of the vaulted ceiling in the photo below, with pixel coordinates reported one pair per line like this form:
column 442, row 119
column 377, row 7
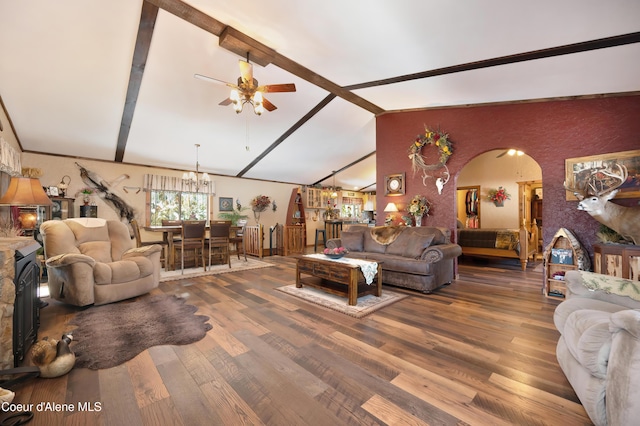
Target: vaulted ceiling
column 114, row 79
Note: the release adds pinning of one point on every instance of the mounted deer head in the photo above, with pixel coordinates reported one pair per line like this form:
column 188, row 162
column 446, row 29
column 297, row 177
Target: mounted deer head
column 599, row 187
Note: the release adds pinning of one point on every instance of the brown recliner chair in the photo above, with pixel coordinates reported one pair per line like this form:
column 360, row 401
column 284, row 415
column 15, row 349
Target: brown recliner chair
column 95, row 261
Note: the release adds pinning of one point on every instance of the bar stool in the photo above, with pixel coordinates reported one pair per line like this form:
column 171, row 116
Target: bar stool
column 324, row 239
column 333, row 228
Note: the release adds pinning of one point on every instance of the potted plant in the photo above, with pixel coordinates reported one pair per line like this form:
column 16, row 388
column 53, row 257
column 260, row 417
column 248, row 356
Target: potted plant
column 86, row 194
column 235, row 215
column 498, row 196
column 418, row 207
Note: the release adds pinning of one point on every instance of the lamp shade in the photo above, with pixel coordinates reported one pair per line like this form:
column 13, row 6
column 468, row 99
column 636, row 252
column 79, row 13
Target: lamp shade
column 391, row 207
column 25, row 192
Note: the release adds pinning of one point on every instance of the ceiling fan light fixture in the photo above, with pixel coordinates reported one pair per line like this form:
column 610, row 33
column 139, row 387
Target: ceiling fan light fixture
column 258, row 106
column 513, row 152
column 235, row 100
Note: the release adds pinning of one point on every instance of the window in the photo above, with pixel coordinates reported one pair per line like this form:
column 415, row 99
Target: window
column 172, row 205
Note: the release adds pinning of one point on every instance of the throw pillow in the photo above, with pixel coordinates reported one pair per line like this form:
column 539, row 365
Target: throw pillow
column 399, row 246
column 611, row 284
column 352, row 241
column 416, row 245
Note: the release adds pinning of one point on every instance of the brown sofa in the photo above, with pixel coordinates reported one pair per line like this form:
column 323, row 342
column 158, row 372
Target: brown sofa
column 419, row 258
column 94, row 261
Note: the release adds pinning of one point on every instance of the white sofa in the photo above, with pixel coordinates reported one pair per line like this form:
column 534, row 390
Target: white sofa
column 599, row 346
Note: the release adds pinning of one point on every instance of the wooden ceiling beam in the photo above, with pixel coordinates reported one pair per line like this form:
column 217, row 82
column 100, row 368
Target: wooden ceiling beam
column 140, row 54
column 567, row 49
column 190, row 14
column 241, row 44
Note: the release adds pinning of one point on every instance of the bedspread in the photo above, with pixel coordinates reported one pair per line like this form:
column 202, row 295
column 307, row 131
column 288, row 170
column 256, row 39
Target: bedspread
column 507, row 239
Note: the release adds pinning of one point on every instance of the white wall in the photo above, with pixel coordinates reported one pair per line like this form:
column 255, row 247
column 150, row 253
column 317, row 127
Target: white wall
column 490, row 172
column 54, row 168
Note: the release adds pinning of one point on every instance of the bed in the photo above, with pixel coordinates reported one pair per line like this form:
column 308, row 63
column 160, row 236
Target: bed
column 521, row 244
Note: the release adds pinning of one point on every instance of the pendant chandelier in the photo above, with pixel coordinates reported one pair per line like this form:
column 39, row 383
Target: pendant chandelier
column 334, row 190
column 192, row 180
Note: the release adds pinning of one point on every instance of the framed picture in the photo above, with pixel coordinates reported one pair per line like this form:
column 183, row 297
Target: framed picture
column 53, row 190
column 579, row 171
column 226, row 204
column 394, row 184
column 562, row 256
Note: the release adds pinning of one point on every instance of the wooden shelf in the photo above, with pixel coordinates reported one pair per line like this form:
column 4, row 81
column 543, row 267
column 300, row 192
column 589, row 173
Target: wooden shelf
column 295, row 231
column 560, row 256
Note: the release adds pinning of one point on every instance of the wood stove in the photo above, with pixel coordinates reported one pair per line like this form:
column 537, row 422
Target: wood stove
column 26, row 313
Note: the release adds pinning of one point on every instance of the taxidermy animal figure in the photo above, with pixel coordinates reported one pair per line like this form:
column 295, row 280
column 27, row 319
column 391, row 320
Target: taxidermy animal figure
column 599, row 188
column 53, row 357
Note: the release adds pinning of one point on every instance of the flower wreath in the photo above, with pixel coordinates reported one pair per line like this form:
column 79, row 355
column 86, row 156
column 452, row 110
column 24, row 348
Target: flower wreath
column 430, row 137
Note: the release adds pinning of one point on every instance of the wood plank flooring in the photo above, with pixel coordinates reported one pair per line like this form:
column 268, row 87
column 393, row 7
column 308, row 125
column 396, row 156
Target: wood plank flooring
column 480, row 351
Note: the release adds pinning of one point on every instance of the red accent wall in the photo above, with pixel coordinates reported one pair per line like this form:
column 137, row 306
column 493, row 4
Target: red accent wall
column 549, row 132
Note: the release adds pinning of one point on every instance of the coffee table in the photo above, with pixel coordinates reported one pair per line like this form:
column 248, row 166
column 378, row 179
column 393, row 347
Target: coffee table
column 337, row 277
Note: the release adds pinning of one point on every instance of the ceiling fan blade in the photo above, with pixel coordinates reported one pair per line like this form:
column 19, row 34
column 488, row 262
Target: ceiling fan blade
column 226, row 102
column 246, row 70
column 277, row 88
column 268, row 105
column 213, row 80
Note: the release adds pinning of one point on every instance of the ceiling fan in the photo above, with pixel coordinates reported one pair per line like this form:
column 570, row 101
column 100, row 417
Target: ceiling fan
column 248, row 91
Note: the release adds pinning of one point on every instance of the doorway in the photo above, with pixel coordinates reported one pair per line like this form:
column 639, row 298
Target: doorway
column 519, row 174
column 468, row 201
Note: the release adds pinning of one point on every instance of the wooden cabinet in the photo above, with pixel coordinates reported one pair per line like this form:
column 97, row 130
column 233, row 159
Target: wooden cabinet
column 618, row 260
column 61, row 208
column 563, row 254
column 316, row 198
column 88, row 211
column 295, row 231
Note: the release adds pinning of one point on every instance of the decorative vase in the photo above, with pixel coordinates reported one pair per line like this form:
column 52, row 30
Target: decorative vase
column 86, row 198
column 499, row 203
column 418, row 220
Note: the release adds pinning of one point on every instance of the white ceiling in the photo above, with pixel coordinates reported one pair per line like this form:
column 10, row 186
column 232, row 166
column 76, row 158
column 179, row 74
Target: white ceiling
column 65, row 67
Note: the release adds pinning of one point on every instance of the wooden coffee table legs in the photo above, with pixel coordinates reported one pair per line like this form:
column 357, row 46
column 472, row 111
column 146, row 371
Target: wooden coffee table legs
column 333, row 276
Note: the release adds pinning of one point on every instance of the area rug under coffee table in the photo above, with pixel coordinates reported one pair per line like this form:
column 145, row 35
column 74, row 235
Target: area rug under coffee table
column 365, row 306
column 109, row 335
column 237, row 265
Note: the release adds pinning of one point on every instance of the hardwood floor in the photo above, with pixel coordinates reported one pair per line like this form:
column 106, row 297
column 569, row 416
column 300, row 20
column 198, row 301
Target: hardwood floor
column 480, row 352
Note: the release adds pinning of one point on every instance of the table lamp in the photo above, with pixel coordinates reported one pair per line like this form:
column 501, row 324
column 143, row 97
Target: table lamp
column 24, row 192
column 390, row 208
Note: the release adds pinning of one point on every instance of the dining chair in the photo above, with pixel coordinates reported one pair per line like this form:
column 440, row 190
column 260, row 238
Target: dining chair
column 193, row 237
column 139, row 243
column 171, row 258
column 219, row 240
column 236, row 238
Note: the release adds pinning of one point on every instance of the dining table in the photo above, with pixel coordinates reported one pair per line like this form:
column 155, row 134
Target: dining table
column 168, row 232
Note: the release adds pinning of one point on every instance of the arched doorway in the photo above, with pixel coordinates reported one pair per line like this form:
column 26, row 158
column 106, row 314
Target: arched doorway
column 521, row 177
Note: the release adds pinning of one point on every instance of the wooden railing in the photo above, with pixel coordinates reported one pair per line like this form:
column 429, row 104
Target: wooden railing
column 276, row 240
column 253, row 239
column 294, row 237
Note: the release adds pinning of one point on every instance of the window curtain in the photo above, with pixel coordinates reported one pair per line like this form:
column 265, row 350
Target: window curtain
column 352, row 200
column 170, row 183
column 9, row 159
